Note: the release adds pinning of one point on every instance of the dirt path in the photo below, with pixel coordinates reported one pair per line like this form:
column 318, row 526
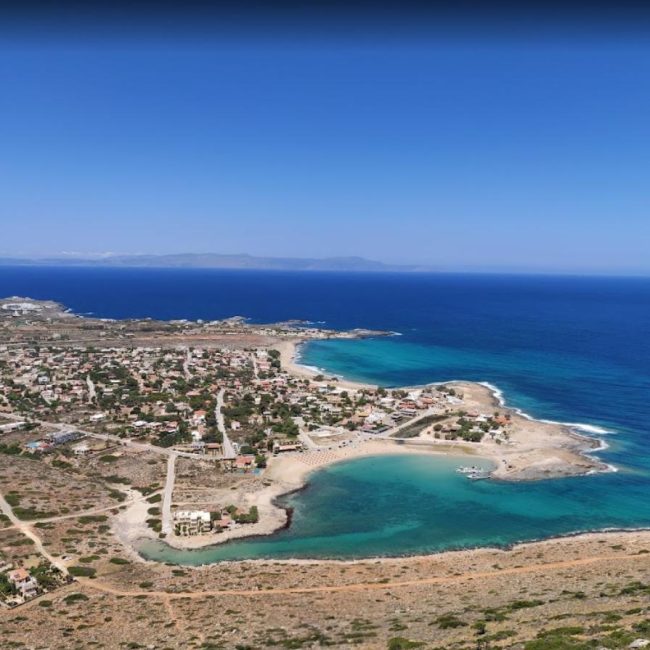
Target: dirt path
column 27, row 531
column 369, row 586
column 171, row 614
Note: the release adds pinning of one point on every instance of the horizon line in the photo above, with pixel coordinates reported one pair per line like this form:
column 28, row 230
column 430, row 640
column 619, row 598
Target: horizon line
column 517, row 272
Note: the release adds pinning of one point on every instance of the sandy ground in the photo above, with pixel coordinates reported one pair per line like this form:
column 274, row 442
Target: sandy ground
column 130, row 525
column 536, row 449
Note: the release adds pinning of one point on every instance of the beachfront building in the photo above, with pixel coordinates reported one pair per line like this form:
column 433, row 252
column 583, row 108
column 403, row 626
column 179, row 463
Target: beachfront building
column 282, row 448
column 192, row 522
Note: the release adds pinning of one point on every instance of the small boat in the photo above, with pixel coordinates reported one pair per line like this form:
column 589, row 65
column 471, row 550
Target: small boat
column 468, row 470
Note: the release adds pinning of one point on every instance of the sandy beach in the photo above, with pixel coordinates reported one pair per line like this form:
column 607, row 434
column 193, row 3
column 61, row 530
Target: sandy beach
column 284, row 474
column 289, row 353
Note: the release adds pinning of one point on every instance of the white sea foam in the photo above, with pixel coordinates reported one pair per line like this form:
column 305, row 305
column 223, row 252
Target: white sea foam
column 315, row 369
column 581, row 426
column 589, row 428
column 297, row 359
column 602, row 445
column 497, row 392
column 609, row 469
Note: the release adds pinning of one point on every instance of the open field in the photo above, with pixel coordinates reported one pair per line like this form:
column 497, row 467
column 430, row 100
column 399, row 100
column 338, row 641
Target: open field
column 590, row 587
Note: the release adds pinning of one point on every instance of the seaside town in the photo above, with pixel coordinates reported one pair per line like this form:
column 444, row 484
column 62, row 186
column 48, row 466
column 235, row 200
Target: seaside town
column 235, row 409
column 114, row 432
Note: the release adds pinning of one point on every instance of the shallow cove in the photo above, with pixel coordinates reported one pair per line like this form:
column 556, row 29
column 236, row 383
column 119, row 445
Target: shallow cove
column 411, row 505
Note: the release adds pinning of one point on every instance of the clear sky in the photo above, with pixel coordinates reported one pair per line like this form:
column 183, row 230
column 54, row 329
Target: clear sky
column 479, row 149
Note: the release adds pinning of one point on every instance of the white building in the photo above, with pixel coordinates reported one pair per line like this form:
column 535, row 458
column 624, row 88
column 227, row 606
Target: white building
column 192, row 522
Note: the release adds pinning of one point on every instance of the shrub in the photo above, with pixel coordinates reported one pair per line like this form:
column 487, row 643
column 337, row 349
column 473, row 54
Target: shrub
column 560, row 638
column 114, row 478
column 643, row 627
column 252, row 517
column 31, row 513
column 108, row 458
column 82, row 571
column 155, row 524
column 88, row 519
column 74, row 598
column 523, row 604
column 447, row 621
column 12, row 499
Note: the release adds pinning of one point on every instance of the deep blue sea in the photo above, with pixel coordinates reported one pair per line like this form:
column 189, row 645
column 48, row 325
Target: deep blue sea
column 561, row 348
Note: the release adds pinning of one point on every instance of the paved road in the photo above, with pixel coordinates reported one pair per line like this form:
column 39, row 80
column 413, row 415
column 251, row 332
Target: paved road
column 228, row 449
column 167, row 495
column 308, row 442
column 186, row 365
column 92, row 394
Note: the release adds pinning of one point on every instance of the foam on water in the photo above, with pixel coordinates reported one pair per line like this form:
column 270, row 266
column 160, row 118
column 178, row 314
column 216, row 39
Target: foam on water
column 581, row 426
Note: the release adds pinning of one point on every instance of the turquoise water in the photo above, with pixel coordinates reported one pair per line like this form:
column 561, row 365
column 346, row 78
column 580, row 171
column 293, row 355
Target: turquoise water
column 399, row 505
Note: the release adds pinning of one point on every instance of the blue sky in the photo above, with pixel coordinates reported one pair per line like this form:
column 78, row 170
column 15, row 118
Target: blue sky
column 489, row 152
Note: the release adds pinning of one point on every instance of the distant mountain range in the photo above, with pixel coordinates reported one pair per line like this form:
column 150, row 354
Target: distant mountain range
column 216, row 261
